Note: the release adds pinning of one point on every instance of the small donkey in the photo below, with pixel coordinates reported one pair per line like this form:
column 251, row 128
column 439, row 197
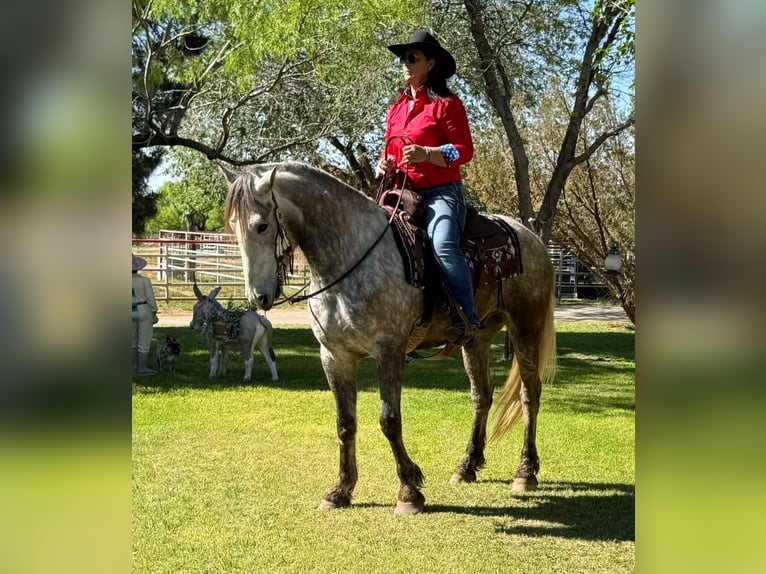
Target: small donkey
column 251, row 332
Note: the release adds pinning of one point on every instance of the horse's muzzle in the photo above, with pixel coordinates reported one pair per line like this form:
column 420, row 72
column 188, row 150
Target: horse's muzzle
column 263, row 302
column 262, row 298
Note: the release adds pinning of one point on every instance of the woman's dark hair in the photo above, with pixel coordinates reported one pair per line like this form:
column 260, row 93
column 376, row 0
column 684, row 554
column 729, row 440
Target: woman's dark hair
column 436, row 82
column 437, row 88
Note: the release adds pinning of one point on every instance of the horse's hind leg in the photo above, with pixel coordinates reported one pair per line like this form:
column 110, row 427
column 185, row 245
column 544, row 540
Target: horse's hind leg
column 248, row 368
column 476, row 362
column 525, row 478
column 390, row 374
column 534, row 359
column 341, row 376
column 247, row 349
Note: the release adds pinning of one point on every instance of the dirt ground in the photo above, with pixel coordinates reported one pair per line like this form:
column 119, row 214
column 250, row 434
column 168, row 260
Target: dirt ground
column 289, row 316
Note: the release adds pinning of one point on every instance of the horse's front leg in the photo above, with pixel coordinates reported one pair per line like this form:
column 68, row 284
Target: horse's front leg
column 476, row 363
column 222, row 362
column 390, row 374
column 341, row 376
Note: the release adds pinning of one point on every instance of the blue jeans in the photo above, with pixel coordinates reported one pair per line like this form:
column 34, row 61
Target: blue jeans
column 445, row 218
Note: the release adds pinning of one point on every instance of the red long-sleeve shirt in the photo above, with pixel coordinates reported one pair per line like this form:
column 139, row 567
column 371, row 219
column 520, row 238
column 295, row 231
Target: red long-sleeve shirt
column 432, row 124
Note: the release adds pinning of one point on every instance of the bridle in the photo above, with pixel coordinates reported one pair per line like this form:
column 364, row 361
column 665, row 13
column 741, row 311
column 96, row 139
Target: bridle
column 283, row 254
column 283, row 251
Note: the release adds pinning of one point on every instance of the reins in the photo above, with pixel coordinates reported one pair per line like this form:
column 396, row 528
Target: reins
column 294, row 298
column 281, row 239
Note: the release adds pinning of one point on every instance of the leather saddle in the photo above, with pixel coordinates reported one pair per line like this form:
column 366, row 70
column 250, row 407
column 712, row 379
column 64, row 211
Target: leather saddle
column 490, row 246
column 481, row 233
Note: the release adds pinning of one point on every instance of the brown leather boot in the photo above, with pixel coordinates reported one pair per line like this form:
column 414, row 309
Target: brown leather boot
column 459, row 334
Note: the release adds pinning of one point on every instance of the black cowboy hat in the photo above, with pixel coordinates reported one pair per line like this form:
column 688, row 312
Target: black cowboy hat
column 423, row 41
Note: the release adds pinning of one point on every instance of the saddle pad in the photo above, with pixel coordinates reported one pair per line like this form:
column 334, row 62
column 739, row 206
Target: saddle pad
column 225, row 331
column 494, row 265
column 410, row 242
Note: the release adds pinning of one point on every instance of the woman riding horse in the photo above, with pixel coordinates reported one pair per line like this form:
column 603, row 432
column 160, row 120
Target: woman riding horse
column 427, row 136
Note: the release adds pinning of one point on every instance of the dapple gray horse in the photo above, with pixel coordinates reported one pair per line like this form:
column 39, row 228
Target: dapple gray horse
column 366, row 308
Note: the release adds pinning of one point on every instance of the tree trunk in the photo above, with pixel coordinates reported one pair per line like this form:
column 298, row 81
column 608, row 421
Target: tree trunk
column 499, row 92
column 191, row 225
column 362, row 174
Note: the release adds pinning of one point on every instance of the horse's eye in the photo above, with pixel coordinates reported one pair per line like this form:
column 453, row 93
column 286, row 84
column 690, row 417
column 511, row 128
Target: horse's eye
column 262, row 227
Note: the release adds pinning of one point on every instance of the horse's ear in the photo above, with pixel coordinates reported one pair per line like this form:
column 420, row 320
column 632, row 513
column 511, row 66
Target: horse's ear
column 213, row 293
column 197, row 292
column 228, row 174
column 266, row 182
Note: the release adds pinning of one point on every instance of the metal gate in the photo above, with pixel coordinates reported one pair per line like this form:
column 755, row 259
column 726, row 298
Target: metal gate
column 176, row 259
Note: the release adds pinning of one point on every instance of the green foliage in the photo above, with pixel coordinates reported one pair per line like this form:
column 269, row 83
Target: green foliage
column 282, row 29
column 226, row 476
column 277, row 79
column 144, row 203
column 194, row 199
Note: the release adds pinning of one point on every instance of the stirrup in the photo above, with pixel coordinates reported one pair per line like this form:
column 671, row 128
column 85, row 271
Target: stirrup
column 460, row 336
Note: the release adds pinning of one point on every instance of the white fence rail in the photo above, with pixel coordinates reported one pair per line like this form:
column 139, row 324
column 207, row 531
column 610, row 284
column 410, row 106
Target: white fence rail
column 178, row 259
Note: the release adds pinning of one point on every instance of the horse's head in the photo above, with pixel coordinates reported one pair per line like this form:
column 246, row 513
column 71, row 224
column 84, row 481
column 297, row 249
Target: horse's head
column 204, row 308
column 250, row 213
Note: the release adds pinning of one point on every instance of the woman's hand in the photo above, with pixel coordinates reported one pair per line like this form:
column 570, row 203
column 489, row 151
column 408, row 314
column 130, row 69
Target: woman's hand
column 414, row 153
column 386, row 167
column 418, row 154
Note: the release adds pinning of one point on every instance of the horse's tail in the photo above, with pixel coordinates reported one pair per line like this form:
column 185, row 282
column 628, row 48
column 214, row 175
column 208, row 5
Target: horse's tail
column 509, row 403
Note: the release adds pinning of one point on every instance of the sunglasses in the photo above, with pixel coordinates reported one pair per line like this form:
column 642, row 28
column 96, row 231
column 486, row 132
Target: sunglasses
column 411, row 58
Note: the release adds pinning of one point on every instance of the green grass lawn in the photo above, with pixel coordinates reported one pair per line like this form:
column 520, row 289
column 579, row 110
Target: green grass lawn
column 227, row 476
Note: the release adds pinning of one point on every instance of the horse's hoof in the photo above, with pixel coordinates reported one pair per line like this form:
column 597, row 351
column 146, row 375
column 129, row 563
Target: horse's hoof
column 466, row 476
column 409, row 508
column 335, row 498
column 330, row 505
column 414, row 502
column 525, row 484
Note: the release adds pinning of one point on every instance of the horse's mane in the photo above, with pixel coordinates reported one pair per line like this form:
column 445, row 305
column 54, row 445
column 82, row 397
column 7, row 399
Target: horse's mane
column 241, row 198
column 327, row 179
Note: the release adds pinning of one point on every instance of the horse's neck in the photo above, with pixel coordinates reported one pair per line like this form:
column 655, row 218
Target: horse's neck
column 332, row 226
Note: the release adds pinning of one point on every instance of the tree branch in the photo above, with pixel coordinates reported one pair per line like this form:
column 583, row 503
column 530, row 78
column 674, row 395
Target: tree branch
column 601, row 139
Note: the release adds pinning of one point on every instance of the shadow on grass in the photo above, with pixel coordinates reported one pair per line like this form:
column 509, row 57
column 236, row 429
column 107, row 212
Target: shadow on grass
column 565, row 510
column 596, row 354
column 597, row 346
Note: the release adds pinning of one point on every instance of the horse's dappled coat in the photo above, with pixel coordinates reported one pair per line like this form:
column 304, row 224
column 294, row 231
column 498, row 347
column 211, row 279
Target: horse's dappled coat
column 372, row 310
